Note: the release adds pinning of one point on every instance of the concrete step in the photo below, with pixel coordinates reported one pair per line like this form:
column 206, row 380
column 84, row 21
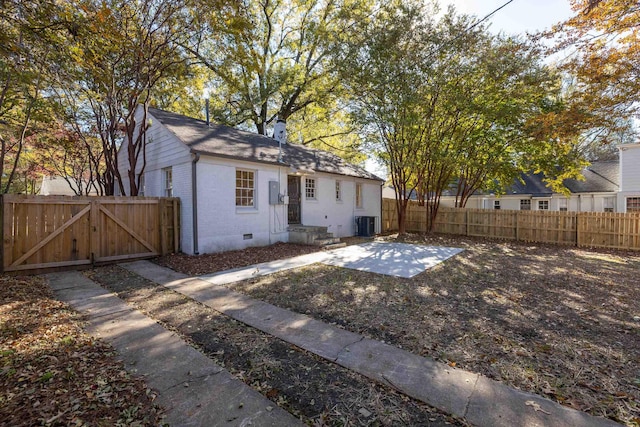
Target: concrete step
column 308, row 228
column 326, row 241
column 334, row 246
column 308, row 234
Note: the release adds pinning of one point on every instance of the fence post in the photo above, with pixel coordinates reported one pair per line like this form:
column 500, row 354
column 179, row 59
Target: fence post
column 94, row 236
column 162, row 206
column 176, row 225
column 466, row 222
column 578, row 229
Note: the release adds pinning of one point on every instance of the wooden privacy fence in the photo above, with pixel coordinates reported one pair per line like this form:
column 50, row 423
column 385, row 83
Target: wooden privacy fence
column 588, row 229
column 59, row 231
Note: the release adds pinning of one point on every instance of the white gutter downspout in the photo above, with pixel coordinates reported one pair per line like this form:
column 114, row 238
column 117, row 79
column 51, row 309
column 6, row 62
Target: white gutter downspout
column 194, row 201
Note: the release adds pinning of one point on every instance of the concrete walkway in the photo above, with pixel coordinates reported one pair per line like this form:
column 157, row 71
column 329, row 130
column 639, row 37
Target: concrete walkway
column 194, row 390
column 479, row 400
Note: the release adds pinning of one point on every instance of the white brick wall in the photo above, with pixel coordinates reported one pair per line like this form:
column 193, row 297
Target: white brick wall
column 339, row 216
column 222, row 226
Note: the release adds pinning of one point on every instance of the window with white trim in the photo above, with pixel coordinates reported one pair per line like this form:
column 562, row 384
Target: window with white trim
column 245, row 188
column 609, row 204
column 141, row 184
column 338, row 191
column 496, row 204
column 633, row 204
column 167, row 174
column 310, row 188
column 543, row 205
column 525, row 204
column 359, row 195
column 563, row 205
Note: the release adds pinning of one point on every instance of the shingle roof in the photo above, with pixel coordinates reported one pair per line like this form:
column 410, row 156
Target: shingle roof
column 224, row 141
column 600, row 177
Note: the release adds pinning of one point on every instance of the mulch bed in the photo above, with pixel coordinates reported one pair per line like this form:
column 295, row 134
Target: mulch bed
column 557, row 321
column 211, row 263
column 53, row 374
column 315, row 390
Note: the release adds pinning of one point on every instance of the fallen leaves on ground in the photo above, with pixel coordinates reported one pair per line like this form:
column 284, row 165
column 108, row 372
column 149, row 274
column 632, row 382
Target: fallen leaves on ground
column 557, row 321
column 52, row 373
column 211, row 263
column 317, row 391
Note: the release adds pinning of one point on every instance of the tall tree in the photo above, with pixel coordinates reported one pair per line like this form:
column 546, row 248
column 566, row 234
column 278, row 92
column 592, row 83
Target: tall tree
column 272, row 59
column 33, row 36
column 383, row 73
column 452, row 103
column 124, row 51
column 601, row 43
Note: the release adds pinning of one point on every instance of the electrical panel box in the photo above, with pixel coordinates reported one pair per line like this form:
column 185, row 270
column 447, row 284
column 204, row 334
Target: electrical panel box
column 274, row 193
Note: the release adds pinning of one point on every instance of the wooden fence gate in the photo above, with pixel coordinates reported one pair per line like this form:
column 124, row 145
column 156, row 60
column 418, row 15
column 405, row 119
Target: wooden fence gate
column 42, row 232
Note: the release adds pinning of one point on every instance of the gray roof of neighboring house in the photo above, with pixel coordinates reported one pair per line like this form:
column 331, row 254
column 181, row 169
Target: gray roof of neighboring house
column 225, row 141
column 600, row 177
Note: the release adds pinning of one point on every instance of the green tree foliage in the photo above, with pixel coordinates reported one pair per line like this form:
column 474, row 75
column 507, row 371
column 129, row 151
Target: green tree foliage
column 600, row 46
column 272, row 59
column 33, row 34
column 449, row 104
column 125, row 50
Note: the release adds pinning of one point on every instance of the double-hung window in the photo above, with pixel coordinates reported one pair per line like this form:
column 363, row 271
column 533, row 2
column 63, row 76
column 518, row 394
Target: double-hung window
column 609, row 204
column 563, row 205
column 245, row 188
column 359, row 195
column 633, row 204
column 167, row 175
column 310, row 188
column 525, row 204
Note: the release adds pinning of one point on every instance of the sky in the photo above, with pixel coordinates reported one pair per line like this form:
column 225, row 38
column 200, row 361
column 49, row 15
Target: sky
column 518, row 17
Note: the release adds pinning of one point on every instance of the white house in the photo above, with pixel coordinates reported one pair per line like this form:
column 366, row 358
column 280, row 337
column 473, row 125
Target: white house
column 629, row 192
column 608, row 186
column 241, row 189
column 597, row 193
column 60, row 186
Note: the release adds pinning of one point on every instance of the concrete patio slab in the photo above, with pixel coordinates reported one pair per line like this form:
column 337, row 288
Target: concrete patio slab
column 194, row 390
column 392, row 259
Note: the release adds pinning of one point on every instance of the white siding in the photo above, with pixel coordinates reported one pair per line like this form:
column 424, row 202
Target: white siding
column 629, row 175
column 629, row 169
column 591, row 202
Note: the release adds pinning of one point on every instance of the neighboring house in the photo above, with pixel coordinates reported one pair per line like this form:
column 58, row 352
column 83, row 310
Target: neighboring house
column 59, row 186
column 629, row 192
column 241, row 189
column 609, row 186
column 597, row 193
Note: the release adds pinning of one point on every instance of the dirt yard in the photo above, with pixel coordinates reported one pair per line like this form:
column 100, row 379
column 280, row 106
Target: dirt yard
column 557, row 321
column 54, row 374
column 318, row 392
